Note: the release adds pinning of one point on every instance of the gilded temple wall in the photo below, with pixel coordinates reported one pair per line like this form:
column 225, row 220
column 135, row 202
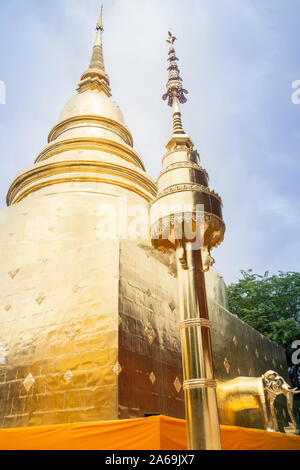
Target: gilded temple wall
column 149, row 342
column 89, row 327
column 58, row 314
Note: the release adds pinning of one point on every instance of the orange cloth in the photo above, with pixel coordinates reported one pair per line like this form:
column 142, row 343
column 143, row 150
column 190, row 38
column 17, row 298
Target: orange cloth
column 154, row 433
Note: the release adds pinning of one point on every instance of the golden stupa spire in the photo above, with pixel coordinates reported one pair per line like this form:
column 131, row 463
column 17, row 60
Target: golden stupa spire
column 99, row 29
column 95, row 76
column 175, row 91
column 100, row 22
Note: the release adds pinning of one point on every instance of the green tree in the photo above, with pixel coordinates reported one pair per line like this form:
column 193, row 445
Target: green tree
column 270, row 304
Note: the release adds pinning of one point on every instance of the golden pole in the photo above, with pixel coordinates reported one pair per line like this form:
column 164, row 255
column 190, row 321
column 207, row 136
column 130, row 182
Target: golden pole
column 183, row 193
column 199, row 384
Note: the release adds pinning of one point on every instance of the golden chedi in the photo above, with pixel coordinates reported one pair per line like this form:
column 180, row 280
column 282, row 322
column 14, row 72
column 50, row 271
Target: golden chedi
column 60, row 269
column 89, row 309
column 90, row 150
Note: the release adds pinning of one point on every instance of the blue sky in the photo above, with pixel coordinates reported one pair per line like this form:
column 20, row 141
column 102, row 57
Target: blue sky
column 238, row 59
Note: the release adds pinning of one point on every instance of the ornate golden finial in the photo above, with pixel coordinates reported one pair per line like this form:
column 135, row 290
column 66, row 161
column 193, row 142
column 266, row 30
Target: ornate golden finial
column 95, row 76
column 171, row 38
column 174, row 85
column 175, row 91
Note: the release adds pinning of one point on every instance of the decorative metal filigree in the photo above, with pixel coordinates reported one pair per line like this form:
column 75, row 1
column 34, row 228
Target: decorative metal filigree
column 152, row 378
column 176, row 165
column 72, row 330
column 174, row 85
column 188, row 187
column 68, row 376
column 150, row 333
column 40, row 299
column 157, row 229
column 28, row 382
column 177, row 385
column 117, row 369
column 12, row 274
column 227, row 365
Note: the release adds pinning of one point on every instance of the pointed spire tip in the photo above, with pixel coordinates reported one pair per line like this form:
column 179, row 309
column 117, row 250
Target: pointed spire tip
column 171, row 39
column 100, row 21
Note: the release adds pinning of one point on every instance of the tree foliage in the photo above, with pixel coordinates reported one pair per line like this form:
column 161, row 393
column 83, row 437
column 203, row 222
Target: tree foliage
column 270, row 304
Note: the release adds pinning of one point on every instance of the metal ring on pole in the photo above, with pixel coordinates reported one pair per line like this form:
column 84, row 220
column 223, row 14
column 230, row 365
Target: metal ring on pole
column 195, row 322
column 199, row 383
